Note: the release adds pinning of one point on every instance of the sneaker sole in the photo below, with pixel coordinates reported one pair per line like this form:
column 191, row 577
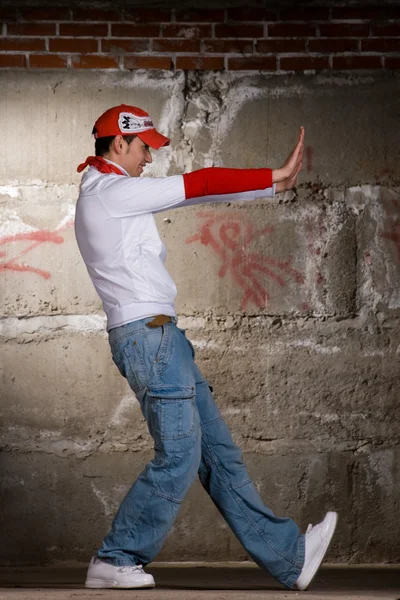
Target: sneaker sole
column 314, row 566
column 102, row 583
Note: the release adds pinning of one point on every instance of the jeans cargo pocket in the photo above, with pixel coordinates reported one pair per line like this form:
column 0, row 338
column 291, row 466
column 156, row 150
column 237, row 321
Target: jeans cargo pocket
column 171, row 412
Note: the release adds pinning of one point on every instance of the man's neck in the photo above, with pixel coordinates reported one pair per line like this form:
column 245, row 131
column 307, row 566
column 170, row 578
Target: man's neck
column 117, row 165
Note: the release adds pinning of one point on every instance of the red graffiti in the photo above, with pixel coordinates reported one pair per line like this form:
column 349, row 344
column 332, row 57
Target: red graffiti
column 230, row 238
column 31, row 240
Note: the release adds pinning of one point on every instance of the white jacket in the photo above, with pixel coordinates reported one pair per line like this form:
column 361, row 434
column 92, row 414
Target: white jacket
column 120, row 244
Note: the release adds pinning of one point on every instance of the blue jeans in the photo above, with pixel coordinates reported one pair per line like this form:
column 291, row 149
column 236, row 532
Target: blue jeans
column 190, row 438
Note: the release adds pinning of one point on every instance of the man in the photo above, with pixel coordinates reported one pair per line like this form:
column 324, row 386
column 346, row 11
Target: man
column 120, row 244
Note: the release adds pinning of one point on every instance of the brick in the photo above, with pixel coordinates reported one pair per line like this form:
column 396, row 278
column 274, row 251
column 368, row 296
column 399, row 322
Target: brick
column 8, row 13
column 356, row 62
column 358, row 14
column 21, row 44
column 186, row 31
column 12, row 60
column 305, row 14
column 47, row 61
column 81, row 30
column 304, row 63
column 176, row 45
column 72, row 45
column 147, row 15
column 94, row 62
column 228, row 46
column 390, row 30
column 121, row 46
column 140, row 31
column 250, row 14
column 392, row 63
column 209, row 63
column 96, row 14
column 45, row 13
column 200, row 16
column 344, row 30
column 333, row 45
column 239, row 31
column 31, row 29
column 267, row 63
column 392, row 12
column 291, row 30
column 265, row 46
column 381, row 45
column 147, row 62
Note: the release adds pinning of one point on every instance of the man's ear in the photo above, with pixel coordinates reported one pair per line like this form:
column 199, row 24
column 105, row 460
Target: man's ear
column 117, row 144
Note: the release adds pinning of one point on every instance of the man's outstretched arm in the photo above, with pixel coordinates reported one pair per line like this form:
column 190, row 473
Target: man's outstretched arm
column 214, row 180
column 141, row 195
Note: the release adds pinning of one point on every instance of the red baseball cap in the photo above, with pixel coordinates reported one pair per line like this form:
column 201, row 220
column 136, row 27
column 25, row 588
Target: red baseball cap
column 129, row 120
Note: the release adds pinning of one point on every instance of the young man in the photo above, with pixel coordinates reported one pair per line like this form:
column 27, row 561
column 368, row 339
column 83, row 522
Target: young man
column 120, row 244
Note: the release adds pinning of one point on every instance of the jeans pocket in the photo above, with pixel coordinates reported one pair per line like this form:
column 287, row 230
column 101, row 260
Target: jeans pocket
column 131, row 363
column 119, row 362
column 171, row 412
column 154, row 343
column 191, row 348
column 183, row 331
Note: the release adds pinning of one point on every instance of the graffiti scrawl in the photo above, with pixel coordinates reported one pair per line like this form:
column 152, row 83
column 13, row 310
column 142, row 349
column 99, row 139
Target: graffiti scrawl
column 230, row 238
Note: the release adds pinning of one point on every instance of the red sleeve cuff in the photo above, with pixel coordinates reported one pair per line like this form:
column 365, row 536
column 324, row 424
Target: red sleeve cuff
column 215, row 180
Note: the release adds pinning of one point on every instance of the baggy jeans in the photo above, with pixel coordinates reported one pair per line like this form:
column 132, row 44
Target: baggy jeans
column 190, row 438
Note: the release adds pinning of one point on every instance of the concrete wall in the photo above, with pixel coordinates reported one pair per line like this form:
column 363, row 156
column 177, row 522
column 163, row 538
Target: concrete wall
column 301, row 342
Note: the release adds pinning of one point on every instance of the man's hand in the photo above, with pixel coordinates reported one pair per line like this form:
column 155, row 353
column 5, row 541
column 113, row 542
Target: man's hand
column 292, row 166
column 289, row 184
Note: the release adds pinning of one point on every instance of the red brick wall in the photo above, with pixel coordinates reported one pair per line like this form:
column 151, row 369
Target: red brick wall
column 246, row 39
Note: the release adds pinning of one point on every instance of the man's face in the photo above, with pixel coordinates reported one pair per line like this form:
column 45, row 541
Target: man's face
column 135, row 157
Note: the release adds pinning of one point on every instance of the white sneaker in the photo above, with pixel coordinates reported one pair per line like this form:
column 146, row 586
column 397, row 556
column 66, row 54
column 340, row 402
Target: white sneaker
column 317, row 541
column 103, row 575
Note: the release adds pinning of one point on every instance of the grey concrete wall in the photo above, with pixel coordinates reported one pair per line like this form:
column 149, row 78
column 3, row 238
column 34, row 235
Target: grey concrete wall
column 293, row 306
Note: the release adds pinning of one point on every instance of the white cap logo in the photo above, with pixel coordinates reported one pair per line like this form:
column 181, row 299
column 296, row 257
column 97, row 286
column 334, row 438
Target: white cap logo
column 130, row 123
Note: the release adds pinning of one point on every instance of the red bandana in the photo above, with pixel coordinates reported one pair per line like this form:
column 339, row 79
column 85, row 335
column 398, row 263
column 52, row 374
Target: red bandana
column 100, row 164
